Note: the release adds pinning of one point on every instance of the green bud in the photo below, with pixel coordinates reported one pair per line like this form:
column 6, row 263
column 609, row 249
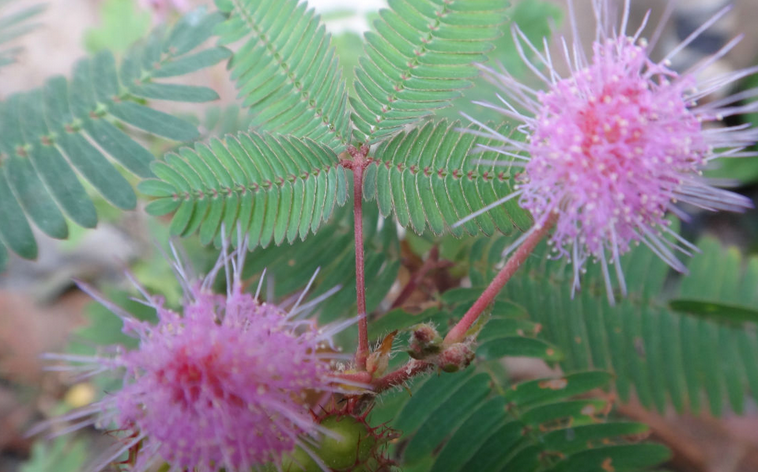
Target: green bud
column 425, row 341
column 355, row 445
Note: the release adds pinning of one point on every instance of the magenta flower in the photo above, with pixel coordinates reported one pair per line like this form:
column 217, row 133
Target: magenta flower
column 220, row 385
column 614, row 145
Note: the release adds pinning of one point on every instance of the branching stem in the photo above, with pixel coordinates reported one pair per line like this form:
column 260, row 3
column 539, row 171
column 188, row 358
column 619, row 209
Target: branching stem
column 458, row 333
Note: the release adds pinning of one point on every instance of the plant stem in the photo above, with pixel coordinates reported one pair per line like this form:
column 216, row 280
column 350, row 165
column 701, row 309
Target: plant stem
column 402, row 375
column 360, row 377
column 458, row 333
column 430, row 263
column 358, row 165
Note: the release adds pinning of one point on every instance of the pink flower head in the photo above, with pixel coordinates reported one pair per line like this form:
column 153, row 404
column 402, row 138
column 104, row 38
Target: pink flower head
column 163, row 7
column 221, row 384
column 615, row 144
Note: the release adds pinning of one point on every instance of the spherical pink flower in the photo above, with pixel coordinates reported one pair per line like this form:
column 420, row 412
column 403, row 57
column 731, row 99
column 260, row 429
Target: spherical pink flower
column 614, row 145
column 221, row 384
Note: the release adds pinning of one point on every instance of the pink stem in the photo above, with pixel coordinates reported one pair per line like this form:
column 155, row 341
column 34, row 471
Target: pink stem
column 402, row 375
column 458, row 333
column 358, row 164
column 360, row 377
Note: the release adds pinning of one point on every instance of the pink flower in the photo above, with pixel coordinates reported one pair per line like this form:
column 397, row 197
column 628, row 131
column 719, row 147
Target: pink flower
column 613, row 146
column 163, row 7
column 220, row 385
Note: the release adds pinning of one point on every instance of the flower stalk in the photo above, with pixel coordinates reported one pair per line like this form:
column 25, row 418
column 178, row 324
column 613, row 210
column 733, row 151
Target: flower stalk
column 458, row 333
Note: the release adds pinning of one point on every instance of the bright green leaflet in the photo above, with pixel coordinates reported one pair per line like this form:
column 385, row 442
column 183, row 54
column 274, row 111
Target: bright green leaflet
column 69, row 126
column 434, row 176
column 418, row 58
column 287, row 72
column 259, row 181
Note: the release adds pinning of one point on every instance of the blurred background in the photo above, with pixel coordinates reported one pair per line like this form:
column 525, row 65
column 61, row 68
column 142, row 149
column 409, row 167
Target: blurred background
column 41, row 311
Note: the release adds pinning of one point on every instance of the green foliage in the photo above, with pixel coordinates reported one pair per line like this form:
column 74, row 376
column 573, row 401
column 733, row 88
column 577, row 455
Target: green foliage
column 121, row 24
column 227, row 120
column 274, row 187
column 287, row 71
column 12, row 26
column 430, row 176
column 419, row 59
column 662, row 355
column 61, row 455
column 507, row 333
column 68, row 125
column 537, row 19
column 474, row 421
column 332, row 250
column 467, row 421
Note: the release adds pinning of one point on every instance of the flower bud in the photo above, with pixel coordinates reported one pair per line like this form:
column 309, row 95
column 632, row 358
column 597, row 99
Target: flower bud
column 425, row 341
column 455, row 357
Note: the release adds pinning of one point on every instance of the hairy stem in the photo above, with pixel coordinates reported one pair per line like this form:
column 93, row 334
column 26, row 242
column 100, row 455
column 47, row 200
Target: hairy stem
column 358, row 164
column 402, row 375
column 458, row 333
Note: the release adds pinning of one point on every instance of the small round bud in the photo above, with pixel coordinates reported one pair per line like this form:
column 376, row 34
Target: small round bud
column 425, row 341
column 455, row 357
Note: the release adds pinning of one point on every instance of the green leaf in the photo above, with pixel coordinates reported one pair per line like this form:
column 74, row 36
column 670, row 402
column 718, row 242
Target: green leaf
column 175, row 92
column 721, row 312
column 332, row 251
column 72, row 126
column 419, row 59
column 3, row 257
column 14, row 25
column 15, row 232
column 64, row 454
column 263, row 166
column 540, row 392
column 154, row 121
column 463, row 422
column 429, row 177
column 192, row 63
column 662, row 355
column 286, row 70
column 518, row 346
column 575, row 438
column 620, row 458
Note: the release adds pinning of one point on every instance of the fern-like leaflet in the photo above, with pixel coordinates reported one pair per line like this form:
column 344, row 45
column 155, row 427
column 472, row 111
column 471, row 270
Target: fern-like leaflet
column 274, row 187
column 429, row 176
column 664, row 356
column 419, row 59
column 473, row 420
column 13, row 25
column 73, row 124
column 287, row 71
